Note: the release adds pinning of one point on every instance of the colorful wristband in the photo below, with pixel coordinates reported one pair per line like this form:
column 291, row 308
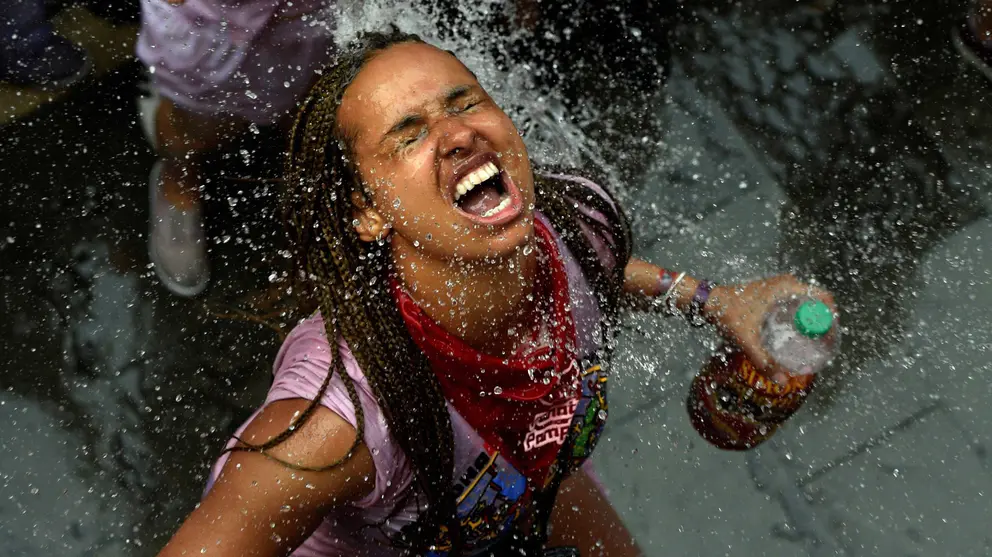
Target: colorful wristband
column 699, row 299
column 665, row 279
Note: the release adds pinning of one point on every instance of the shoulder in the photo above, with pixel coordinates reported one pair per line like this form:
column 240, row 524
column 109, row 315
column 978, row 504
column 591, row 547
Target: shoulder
column 306, row 357
column 590, row 209
column 306, row 361
column 583, row 187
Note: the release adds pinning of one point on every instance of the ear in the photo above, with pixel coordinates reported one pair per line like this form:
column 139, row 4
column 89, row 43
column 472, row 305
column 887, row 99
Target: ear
column 371, row 224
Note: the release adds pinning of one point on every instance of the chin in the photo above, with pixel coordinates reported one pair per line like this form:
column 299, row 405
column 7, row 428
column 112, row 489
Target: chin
column 511, row 239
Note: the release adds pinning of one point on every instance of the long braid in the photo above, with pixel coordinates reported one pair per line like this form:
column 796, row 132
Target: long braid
column 349, row 278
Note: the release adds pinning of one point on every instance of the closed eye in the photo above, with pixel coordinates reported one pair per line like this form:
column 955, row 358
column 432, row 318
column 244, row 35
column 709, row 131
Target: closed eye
column 467, row 106
column 406, row 142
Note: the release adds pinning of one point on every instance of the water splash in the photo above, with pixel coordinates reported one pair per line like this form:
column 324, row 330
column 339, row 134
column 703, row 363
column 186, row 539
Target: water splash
column 552, row 136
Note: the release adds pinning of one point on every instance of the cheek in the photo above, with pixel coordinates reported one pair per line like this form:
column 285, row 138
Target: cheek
column 498, row 128
column 406, row 187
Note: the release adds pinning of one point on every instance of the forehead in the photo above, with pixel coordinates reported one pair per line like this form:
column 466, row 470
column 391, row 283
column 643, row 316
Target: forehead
column 398, row 81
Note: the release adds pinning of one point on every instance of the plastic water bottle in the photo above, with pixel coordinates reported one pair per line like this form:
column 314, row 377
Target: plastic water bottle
column 735, row 406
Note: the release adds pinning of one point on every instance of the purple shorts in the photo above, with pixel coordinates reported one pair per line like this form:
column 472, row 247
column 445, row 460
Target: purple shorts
column 251, row 59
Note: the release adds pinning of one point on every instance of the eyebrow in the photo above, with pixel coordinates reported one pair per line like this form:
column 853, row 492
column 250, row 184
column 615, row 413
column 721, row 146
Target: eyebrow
column 407, row 121
column 456, row 93
column 410, row 120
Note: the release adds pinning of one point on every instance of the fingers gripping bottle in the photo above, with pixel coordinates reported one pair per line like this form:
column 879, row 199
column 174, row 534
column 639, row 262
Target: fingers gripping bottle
column 734, row 406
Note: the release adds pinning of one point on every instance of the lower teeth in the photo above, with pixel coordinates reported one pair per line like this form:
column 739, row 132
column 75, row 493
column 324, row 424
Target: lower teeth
column 502, row 205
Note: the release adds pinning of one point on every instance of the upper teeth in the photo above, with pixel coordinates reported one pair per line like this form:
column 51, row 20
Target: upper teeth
column 475, row 178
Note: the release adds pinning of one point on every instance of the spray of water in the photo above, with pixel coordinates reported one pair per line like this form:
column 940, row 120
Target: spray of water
column 551, row 135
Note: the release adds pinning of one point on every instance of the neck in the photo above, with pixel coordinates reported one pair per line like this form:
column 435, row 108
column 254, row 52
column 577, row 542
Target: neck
column 489, row 305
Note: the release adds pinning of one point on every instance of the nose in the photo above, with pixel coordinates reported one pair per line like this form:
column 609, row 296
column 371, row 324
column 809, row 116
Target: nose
column 457, row 138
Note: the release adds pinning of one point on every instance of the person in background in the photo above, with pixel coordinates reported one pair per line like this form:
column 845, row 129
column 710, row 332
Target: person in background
column 216, row 69
column 973, row 38
column 32, row 54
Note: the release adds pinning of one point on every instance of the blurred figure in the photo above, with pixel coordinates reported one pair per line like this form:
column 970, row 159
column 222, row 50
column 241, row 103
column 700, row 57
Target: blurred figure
column 598, row 50
column 608, row 61
column 973, row 38
column 31, row 54
column 216, row 68
column 117, row 12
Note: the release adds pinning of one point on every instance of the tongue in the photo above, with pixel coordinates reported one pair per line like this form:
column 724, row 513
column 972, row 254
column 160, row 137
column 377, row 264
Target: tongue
column 479, row 200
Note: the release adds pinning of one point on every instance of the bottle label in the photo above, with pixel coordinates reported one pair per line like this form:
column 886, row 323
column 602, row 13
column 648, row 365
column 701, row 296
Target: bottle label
column 733, row 406
column 774, row 401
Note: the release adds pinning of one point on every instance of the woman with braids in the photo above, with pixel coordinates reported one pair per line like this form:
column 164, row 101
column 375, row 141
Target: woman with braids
column 444, row 399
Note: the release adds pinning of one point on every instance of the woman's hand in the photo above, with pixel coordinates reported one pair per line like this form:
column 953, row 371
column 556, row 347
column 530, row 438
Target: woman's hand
column 739, row 310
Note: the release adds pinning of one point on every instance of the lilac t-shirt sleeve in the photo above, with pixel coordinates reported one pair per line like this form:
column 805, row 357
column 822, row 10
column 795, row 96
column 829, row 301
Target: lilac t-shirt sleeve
column 301, row 366
column 601, row 240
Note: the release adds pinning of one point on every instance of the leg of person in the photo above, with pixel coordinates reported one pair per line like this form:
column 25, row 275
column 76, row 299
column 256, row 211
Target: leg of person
column 177, row 242
column 973, row 38
column 30, row 51
column 213, row 82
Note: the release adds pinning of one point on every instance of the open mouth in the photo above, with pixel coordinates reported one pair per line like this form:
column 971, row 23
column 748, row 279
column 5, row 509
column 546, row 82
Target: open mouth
column 483, row 192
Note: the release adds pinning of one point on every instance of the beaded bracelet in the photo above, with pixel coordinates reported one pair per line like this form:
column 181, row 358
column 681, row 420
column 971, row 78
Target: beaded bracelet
column 699, row 299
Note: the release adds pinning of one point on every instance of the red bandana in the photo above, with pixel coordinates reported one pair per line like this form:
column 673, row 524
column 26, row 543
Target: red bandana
column 521, row 406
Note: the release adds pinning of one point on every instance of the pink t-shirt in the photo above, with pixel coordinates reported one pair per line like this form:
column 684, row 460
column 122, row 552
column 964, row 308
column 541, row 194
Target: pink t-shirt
column 490, row 491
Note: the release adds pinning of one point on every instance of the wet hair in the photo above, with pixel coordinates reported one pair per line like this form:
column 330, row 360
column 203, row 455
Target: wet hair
column 350, row 280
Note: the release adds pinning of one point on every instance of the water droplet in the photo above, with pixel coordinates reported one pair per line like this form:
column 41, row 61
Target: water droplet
column 396, row 203
column 250, row 94
column 602, row 414
column 497, row 390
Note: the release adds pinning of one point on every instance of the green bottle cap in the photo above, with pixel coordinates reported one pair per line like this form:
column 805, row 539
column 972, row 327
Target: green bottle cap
column 814, row 319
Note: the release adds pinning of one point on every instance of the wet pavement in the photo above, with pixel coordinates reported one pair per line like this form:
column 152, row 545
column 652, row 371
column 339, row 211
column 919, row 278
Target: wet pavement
column 848, row 145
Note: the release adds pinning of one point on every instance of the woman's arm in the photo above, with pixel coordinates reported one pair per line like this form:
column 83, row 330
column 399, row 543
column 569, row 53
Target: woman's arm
column 737, row 310
column 583, row 518
column 642, row 283
column 262, row 508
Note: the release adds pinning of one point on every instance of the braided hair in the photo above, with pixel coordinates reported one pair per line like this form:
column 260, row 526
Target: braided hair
column 349, row 279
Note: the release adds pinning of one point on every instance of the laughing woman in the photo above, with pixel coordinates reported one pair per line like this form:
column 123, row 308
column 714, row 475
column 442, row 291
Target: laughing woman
column 446, row 395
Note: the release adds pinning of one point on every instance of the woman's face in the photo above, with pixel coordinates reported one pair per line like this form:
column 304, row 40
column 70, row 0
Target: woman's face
column 446, row 168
